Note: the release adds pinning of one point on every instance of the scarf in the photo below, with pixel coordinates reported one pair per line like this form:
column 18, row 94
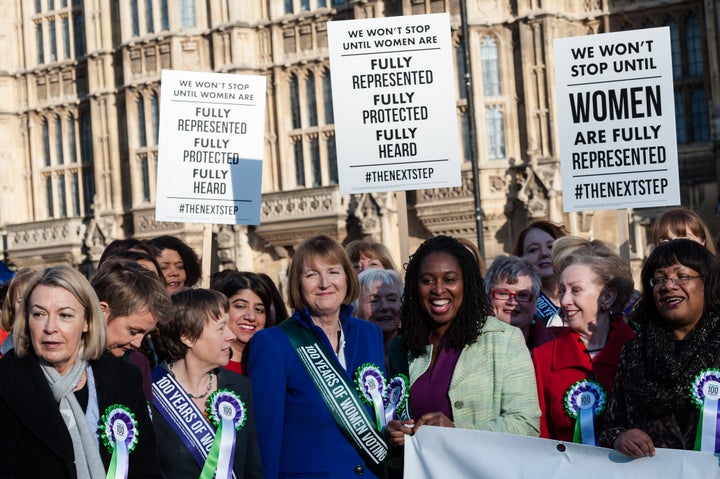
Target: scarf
column 659, row 378
column 85, row 445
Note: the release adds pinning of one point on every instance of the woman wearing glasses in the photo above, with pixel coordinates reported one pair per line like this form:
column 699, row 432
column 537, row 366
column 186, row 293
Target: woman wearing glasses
column 513, row 286
column 655, row 403
column 594, row 283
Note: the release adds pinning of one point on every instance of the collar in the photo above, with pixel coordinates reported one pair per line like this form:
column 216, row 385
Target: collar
column 569, row 350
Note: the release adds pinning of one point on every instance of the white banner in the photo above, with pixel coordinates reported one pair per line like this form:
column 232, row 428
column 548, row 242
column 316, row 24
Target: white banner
column 616, row 111
column 393, row 88
column 437, row 452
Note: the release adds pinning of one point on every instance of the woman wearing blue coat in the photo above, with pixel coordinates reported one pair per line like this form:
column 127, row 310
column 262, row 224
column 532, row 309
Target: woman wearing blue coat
column 306, row 401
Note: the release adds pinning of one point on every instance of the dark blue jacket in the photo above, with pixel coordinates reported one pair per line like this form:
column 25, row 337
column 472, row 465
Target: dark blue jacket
column 298, row 435
column 34, row 441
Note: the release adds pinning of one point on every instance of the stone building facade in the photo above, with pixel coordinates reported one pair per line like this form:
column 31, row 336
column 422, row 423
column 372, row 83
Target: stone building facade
column 80, row 83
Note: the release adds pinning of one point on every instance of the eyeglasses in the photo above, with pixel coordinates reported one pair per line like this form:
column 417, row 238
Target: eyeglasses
column 678, row 280
column 520, row 296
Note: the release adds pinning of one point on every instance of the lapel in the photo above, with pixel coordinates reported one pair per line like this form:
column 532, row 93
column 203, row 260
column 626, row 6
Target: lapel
column 351, row 345
column 569, row 352
column 32, row 402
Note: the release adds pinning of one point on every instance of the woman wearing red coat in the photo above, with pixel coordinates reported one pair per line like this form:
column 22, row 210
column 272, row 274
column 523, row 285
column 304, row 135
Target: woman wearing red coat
column 576, row 371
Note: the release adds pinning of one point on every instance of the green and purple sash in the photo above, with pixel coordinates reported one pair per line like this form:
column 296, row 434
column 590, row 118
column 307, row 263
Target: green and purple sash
column 211, row 451
column 338, row 394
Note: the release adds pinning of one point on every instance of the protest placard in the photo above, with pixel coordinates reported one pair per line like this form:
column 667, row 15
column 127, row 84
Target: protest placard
column 210, row 150
column 616, row 114
column 394, row 103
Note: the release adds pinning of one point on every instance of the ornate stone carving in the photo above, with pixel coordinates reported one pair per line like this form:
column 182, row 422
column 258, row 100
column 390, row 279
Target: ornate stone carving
column 367, row 212
column 289, row 217
column 144, row 223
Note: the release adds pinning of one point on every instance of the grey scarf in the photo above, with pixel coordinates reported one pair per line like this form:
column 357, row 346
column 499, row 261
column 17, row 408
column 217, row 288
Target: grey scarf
column 85, row 444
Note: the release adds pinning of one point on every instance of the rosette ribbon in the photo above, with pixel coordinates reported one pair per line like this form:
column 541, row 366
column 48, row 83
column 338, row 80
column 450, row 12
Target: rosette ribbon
column 583, row 401
column 227, row 412
column 370, row 383
column 705, row 394
column 396, row 395
column 119, row 433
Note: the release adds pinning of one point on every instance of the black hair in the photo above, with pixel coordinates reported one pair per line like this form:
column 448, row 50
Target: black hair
column 416, row 324
column 189, row 258
column 690, row 254
column 240, row 280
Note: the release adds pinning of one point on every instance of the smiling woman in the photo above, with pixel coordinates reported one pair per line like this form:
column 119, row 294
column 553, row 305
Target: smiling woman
column 594, row 284
column 467, row 368
column 191, row 387
column 379, row 301
column 679, row 339
column 250, row 307
column 535, row 244
column 513, row 285
column 320, row 346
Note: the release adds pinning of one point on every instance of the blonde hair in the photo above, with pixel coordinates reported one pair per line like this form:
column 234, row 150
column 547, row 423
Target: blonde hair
column 75, row 283
column 611, row 270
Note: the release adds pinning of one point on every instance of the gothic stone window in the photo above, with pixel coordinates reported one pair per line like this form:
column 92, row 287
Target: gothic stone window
column 312, row 138
column 68, row 184
column 493, row 101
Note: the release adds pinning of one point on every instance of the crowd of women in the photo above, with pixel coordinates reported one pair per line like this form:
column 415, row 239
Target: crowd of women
column 138, row 373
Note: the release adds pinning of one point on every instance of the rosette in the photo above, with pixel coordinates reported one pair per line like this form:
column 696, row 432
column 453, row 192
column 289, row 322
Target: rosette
column 227, row 412
column 119, row 433
column 396, row 396
column 370, row 383
column 583, row 401
column 705, row 394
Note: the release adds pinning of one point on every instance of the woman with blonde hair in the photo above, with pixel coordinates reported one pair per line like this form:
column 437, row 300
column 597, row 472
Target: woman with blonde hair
column 11, row 305
column 594, row 283
column 57, row 385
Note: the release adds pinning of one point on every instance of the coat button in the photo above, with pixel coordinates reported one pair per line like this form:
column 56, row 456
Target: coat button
column 459, row 404
column 359, row 470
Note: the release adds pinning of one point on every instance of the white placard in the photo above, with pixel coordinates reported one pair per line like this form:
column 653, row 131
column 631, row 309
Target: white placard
column 616, row 113
column 393, row 86
column 212, row 129
column 461, row 453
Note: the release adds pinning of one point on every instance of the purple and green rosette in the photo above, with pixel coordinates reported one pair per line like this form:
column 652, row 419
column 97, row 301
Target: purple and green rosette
column 583, row 401
column 227, row 412
column 705, row 394
column 396, row 397
column 370, row 383
column 119, row 433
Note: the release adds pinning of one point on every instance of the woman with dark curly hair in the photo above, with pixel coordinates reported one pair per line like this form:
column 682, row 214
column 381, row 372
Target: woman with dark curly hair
column 467, row 368
column 178, row 263
column 659, row 393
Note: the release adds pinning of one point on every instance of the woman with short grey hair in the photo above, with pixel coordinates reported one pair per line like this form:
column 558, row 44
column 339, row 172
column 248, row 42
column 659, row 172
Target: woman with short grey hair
column 513, row 285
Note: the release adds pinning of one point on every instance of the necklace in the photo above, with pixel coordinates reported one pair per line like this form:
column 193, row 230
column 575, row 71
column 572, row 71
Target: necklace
column 200, row 396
